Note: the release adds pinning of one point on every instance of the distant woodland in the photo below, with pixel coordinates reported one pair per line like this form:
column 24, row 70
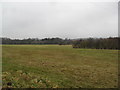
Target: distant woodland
column 37, row 41
column 101, row 43
column 94, row 43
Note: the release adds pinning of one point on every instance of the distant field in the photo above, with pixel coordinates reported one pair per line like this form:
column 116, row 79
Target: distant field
column 58, row 66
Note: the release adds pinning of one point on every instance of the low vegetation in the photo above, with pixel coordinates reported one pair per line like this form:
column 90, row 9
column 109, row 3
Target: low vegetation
column 56, row 66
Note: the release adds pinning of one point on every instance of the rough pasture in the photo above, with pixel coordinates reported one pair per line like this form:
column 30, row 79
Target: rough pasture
column 56, row 66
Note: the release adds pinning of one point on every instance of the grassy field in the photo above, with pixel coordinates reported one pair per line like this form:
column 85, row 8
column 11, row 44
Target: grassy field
column 58, row 66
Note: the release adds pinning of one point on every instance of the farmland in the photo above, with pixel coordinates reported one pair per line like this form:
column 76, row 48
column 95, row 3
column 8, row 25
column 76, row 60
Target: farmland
column 58, row 66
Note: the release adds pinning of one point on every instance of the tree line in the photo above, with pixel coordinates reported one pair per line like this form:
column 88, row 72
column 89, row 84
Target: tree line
column 37, row 41
column 98, row 43
column 93, row 43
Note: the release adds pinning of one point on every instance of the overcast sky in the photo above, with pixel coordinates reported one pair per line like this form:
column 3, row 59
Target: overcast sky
column 60, row 19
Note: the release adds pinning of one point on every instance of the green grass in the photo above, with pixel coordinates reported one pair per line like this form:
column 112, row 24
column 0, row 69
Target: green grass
column 58, row 66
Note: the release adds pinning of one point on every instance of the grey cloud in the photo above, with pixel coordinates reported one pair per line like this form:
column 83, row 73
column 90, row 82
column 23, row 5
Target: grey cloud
column 65, row 20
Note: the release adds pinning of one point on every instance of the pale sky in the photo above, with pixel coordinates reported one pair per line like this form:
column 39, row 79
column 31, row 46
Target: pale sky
column 59, row 19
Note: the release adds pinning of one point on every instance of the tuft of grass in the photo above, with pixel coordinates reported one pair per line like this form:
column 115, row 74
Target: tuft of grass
column 58, row 66
column 22, row 79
